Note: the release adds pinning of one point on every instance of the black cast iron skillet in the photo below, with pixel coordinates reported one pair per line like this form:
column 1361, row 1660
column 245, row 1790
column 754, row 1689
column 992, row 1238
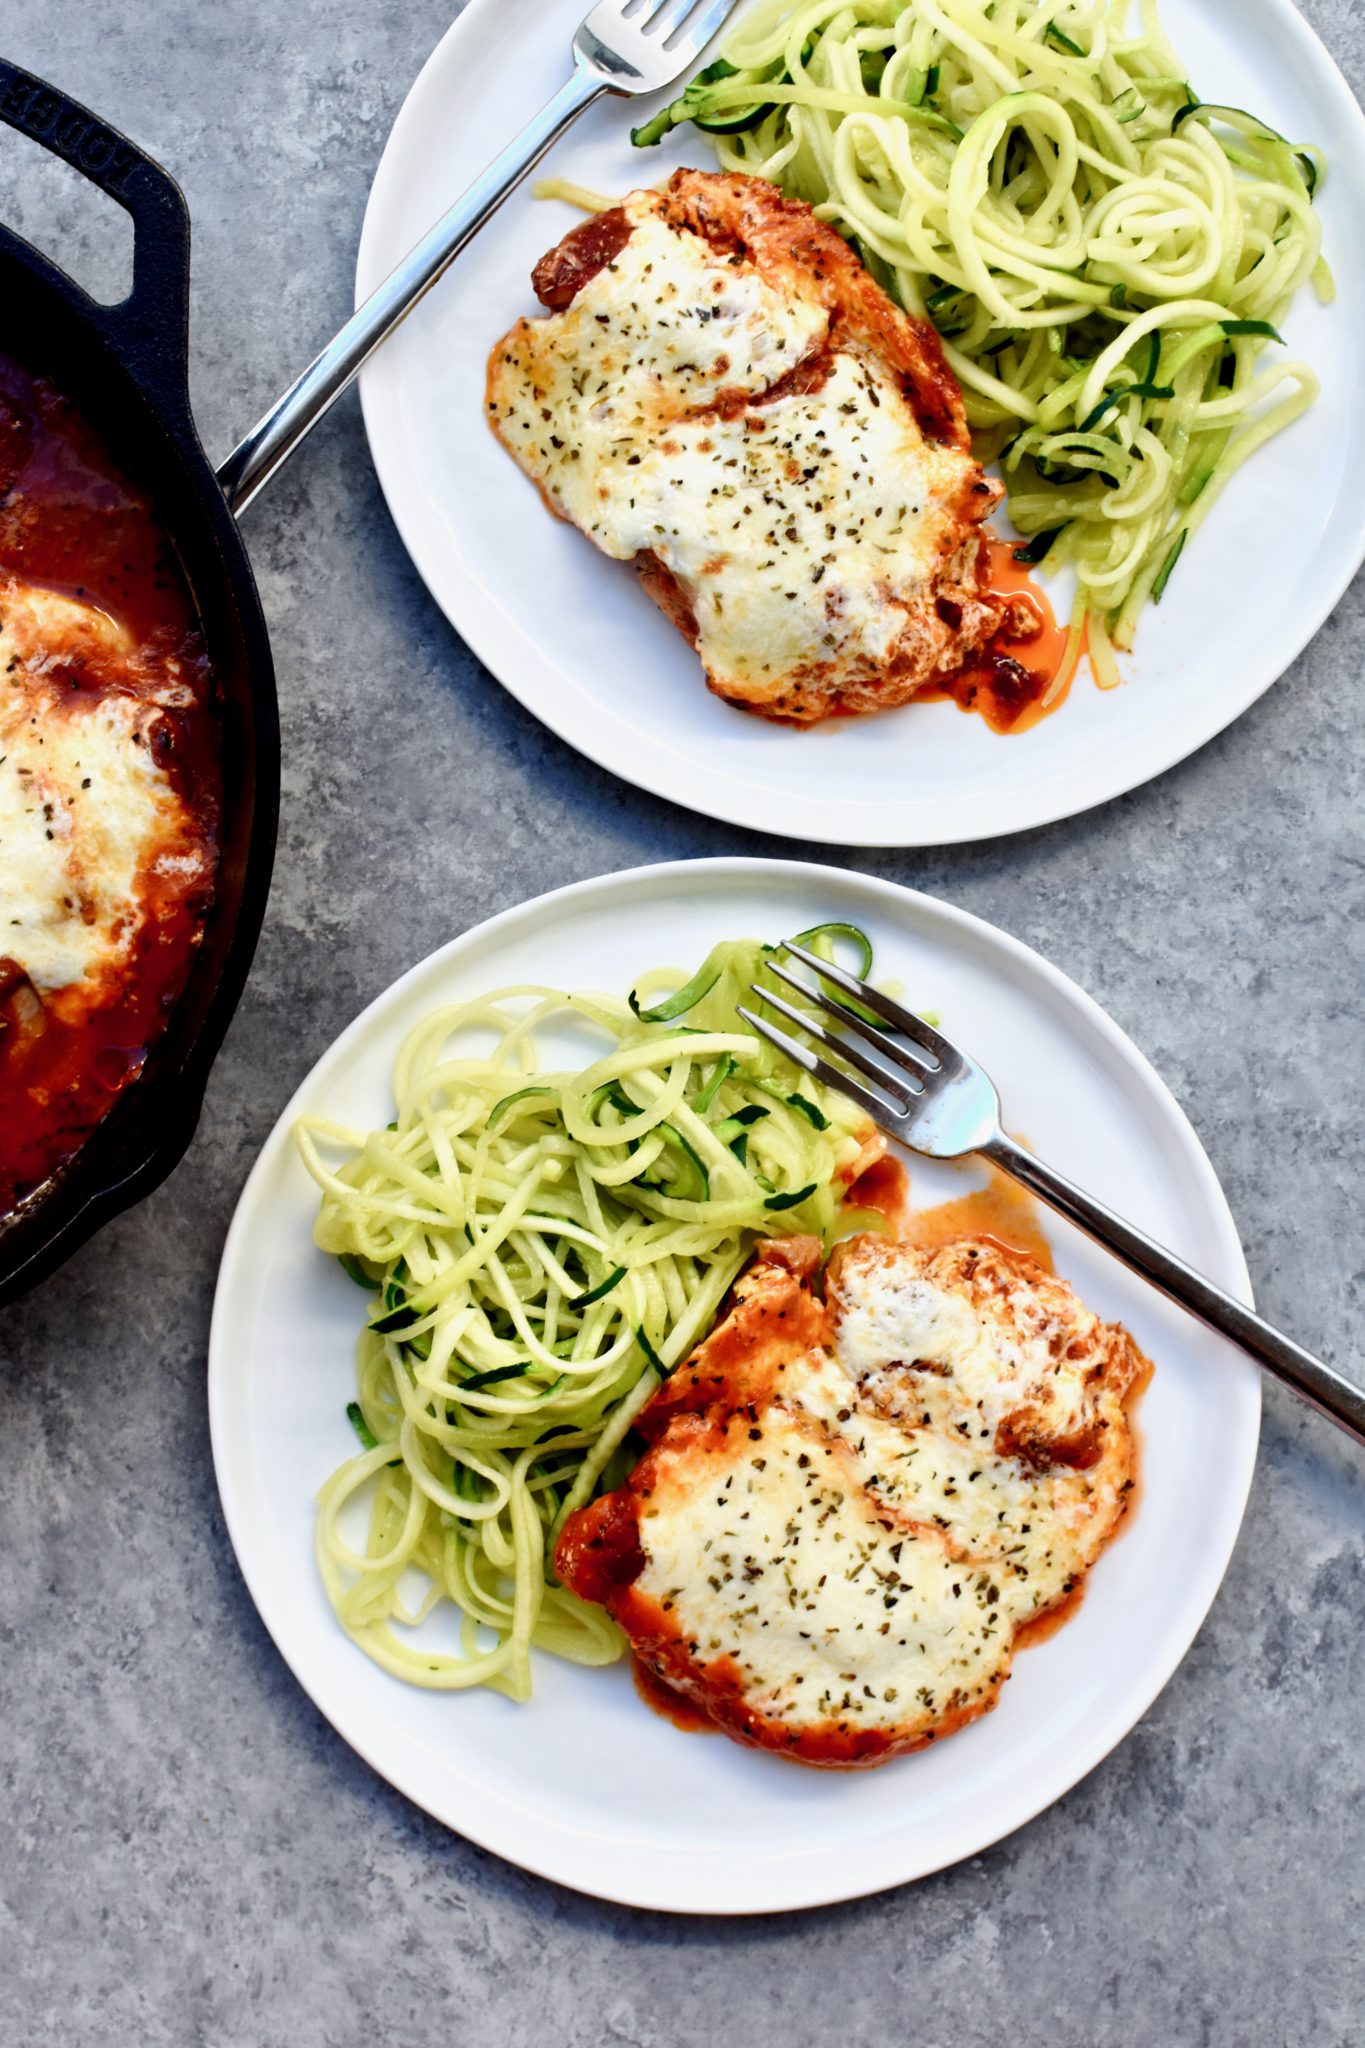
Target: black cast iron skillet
column 125, row 367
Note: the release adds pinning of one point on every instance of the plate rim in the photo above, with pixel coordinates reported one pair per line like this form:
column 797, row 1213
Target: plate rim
column 539, row 1857
column 642, row 758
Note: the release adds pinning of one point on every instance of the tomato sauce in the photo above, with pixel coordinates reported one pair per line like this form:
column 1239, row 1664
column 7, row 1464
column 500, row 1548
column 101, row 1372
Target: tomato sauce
column 1017, row 681
column 671, row 1705
column 73, row 524
column 884, row 1189
column 1001, row 1211
column 563, row 271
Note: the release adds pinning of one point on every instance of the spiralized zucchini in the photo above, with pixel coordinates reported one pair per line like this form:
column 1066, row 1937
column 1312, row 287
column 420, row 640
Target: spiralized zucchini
column 542, row 1246
column 1105, row 258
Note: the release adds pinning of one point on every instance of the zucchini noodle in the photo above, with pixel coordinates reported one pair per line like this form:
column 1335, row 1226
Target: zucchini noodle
column 1106, row 258
column 542, row 1246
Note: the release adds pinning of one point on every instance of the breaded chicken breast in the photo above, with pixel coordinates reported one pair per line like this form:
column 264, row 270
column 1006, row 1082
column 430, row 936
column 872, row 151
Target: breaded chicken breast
column 722, row 395
column 851, row 1506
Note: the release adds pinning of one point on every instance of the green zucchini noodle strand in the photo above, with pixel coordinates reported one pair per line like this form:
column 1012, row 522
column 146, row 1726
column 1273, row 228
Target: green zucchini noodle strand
column 1106, row 258
column 540, row 1245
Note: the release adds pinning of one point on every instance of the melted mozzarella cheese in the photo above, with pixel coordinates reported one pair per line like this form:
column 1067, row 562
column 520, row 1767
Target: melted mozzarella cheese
column 917, row 1341
column 857, row 1543
column 668, row 323
column 88, row 819
column 804, row 529
column 766, row 1555
column 778, row 525
column 1041, row 1530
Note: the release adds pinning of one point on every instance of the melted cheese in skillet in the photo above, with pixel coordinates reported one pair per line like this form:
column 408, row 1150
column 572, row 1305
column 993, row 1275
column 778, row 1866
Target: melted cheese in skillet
column 91, row 826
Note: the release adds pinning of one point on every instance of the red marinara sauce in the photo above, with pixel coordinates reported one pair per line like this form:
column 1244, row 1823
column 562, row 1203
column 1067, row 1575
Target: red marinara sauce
column 670, row 1705
column 1014, row 683
column 73, row 525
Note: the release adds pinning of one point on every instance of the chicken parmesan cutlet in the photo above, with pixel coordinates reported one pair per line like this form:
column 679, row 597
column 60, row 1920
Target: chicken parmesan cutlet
column 851, row 1506
column 721, row 394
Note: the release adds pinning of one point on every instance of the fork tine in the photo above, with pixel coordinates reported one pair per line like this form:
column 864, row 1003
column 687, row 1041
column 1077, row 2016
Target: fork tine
column 843, row 1084
column 890, row 1013
column 700, row 32
column 901, row 1092
column 662, row 17
column 916, row 1063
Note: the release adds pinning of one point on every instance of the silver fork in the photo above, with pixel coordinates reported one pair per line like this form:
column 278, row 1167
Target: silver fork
column 933, row 1098
column 626, row 47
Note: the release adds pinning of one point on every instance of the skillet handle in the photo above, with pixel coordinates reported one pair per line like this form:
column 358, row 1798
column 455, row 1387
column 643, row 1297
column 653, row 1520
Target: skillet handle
column 149, row 330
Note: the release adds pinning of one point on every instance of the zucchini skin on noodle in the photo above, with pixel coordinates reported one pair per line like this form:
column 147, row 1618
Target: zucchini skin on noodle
column 1107, row 259
column 541, row 1247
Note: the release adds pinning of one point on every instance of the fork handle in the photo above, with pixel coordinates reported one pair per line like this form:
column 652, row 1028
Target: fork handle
column 1316, row 1383
column 256, row 459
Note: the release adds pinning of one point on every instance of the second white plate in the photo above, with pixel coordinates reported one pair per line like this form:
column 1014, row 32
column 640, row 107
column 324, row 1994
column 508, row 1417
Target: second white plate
column 584, row 1784
column 576, row 639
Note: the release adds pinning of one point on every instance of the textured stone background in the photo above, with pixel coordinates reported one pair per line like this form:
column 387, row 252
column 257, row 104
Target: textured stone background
column 187, row 1853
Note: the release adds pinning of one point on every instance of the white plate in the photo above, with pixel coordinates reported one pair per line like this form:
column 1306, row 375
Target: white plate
column 576, row 639
column 584, row 1784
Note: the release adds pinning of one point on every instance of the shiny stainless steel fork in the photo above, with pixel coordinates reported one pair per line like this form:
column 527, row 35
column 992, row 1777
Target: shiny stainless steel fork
column 936, row 1100
column 627, row 47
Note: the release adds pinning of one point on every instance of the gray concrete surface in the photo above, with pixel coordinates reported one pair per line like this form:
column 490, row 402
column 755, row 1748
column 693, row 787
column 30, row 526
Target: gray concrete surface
column 188, row 1854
